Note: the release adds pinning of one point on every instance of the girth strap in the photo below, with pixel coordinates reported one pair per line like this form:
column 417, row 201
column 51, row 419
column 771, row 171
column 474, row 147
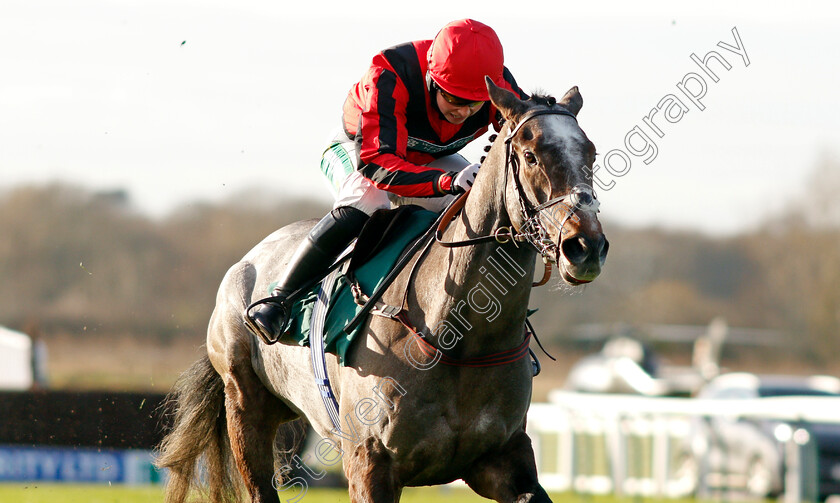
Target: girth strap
column 489, row 360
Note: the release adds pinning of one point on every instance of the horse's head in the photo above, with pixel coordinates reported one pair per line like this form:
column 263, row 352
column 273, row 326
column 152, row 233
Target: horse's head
column 548, row 192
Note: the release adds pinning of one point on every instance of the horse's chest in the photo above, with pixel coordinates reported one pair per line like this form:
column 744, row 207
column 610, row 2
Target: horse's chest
column 452, row 435
column 444, row 441
column 490, row 422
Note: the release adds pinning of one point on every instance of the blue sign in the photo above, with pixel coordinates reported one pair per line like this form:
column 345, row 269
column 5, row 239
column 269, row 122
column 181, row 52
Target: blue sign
column 77, row 465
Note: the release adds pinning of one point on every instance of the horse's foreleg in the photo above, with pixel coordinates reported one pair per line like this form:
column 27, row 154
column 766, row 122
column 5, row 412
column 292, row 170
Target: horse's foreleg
column 370, row 474
column 253, row 416
column 508, row 475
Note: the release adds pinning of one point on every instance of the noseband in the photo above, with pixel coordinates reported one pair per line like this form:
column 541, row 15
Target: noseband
column 532, row 231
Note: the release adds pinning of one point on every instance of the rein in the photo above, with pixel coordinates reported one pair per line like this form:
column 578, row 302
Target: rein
column 501, row 235
column 533, row 230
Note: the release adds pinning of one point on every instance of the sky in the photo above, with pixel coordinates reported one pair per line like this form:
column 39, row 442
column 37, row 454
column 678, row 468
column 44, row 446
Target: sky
column 180, row 101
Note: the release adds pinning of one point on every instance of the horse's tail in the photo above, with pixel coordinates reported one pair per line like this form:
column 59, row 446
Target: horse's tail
column 199, row 432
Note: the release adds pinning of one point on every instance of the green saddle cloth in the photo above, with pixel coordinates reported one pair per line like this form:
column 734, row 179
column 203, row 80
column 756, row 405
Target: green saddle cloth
column 342, row 308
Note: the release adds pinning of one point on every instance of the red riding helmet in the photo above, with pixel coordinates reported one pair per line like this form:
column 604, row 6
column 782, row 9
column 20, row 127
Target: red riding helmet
column 462, row 53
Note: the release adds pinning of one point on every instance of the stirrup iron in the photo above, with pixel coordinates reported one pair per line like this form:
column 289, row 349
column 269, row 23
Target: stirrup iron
column 255, row 327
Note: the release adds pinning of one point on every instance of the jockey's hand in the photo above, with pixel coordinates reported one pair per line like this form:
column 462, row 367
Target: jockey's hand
column 463, row 180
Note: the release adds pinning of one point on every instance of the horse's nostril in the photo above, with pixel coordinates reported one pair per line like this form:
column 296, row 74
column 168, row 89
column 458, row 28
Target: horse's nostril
column 575, row 249
column 579, row 249
column 605, row 248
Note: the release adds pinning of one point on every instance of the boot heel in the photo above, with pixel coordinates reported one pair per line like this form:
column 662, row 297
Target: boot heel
column 269, row 332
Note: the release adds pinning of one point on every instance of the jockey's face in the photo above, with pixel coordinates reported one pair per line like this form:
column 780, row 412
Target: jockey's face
column 454, row 109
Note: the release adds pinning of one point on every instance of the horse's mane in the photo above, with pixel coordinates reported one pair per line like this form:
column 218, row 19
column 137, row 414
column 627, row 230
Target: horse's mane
column 541, row 98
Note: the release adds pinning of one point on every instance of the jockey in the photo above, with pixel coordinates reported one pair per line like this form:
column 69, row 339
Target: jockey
column 418, row 104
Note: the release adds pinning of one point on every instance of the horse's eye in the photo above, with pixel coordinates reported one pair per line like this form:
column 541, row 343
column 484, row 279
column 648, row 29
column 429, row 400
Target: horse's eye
column 585, row 198
column 530, row 158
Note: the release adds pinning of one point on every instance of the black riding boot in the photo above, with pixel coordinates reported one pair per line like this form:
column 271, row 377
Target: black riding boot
column 310, row 262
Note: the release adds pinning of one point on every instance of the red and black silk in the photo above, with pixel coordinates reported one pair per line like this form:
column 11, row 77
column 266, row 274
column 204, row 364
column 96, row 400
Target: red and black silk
column 391, row 113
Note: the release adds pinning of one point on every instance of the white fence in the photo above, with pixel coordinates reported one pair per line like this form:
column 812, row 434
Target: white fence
column 634, row 445
column 15, row 360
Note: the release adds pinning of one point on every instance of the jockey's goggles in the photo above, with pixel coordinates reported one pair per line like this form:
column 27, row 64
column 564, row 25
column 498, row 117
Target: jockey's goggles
column 456, row 101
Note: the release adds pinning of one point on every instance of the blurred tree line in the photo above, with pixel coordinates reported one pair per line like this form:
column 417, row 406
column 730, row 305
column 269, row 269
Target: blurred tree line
column 784, row 275
column 78, row 262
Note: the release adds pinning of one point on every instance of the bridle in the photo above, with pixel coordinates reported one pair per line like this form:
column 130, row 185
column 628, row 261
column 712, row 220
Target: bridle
column 532, row 231
column 580, row 198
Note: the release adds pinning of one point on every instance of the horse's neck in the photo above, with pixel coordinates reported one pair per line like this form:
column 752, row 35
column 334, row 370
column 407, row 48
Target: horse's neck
column 491, row 282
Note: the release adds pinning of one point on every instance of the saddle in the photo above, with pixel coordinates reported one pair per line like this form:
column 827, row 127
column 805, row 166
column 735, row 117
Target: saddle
column 381, row 243
column 382, row 228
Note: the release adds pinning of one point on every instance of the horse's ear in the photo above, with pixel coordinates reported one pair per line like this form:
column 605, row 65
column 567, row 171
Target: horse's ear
column 572, row 101
column 508, row 103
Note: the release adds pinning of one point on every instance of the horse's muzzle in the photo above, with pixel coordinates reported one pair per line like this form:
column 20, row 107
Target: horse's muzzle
column 581, row 257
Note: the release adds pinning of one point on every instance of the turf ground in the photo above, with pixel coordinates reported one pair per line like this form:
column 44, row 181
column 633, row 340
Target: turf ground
column 65, row 493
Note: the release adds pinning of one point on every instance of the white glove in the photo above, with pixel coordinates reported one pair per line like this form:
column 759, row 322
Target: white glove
column 463, row 181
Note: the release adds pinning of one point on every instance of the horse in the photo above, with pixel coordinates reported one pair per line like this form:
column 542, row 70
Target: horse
column 436, row 398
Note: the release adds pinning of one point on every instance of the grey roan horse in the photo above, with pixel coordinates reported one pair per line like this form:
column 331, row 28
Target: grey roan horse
column 407, row 419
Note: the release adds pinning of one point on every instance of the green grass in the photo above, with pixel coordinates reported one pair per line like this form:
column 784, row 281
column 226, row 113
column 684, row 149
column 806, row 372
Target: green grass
column 67, row 493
